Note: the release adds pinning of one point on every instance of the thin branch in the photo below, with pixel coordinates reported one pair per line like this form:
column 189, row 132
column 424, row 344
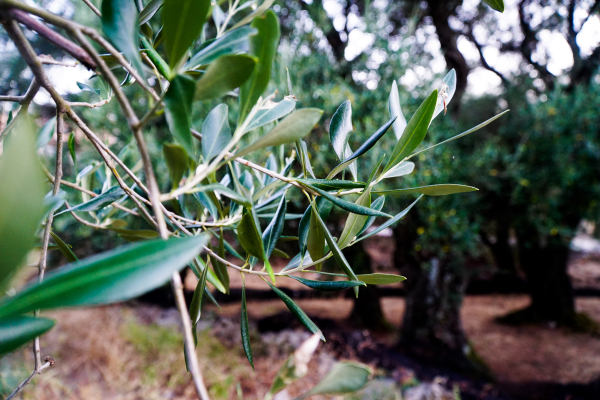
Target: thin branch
column 89, row 192
column 89, row 105
column 92, row 7
column 469, row 34
column 190, row 348
column 46, row 236
column 47, row 59
column 53, row 37
column 48, row 363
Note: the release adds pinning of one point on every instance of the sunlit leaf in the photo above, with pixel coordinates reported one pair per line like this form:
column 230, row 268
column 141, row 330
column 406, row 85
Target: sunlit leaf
column 346, row 205
column 446, row 92
column 355, row 222
column 271, row 112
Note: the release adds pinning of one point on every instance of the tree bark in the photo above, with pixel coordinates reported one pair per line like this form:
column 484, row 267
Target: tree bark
column 550, row 287
column 431, row 328
column 367, row 311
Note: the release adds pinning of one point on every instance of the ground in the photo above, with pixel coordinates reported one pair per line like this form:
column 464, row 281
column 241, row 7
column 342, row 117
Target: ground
column 134, row 350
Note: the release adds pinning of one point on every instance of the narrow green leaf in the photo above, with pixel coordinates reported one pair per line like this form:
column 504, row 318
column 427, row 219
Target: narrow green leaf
column 182, row 25
column 433, row 190
column 304, row 158
column 256, row 13
column 64, row 248
column 389, row 222
column 21, row 199
column 233, row 42
column 355, row 222
column 86, row 88
column 178, row 101
column 461, row 134
column 46, row 132
column 216, row 133
column 327, row 286
column 245, row 329
column 198, row 267
column 223, row 75
column 110, row 277
column 324, row 207
column 380, row 279
column 346, row 205
column 280, row 253
column 366, row 146
column 98, row 202
column 120, row 24
column 196, row 304
column 376, row 205
column 219, row 267
column 449, row 88
column 315, row 243
column 72, row 150
column 289, row 83
column 16, row 331
column 497, row 5
column 177, row 162
column 337, row 253
column 273, row 231
column 135, row 235
column 293, row 127
column 332, row 184
column 415, row 131
column 395, row 110
column 344, row 377
column 272, row 112
column 148, row 12
column 263, row 45
column 404, row 168
column 297, row 311
column 225, row 191
column 249, row 236
column 340, row 128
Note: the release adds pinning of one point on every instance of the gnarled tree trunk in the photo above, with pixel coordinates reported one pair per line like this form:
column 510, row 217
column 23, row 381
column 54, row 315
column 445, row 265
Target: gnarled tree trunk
column 367, row 311
column 431, row 328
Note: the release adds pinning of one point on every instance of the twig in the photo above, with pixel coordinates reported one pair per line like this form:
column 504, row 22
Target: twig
column 92, row 7
column 47, row 59
column 46, row 236
column 53, row 37
column 89, row 105
column 48, row 363
column 190, row 348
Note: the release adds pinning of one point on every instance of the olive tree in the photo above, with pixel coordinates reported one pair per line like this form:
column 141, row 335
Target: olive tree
column 216, row 190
